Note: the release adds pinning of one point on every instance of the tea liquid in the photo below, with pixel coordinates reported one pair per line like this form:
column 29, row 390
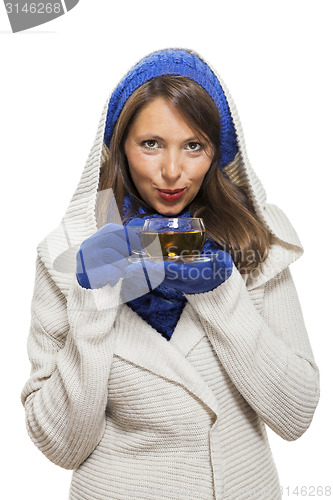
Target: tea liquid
column 176, row 243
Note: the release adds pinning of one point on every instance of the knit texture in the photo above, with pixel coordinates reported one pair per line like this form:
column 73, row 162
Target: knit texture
column 138, row 417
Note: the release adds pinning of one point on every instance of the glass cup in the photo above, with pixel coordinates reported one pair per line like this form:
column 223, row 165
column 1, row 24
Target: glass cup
column 173, row 238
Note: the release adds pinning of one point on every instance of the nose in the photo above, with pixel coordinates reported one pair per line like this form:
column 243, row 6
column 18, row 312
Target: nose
column 171, row 167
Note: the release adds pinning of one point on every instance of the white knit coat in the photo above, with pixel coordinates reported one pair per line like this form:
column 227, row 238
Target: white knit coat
column 139, row 417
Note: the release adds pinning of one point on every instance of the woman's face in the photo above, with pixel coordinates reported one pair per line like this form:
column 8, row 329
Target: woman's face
column 166, row 159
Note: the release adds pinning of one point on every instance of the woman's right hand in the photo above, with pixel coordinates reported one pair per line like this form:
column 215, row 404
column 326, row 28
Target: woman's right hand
column 102, row 258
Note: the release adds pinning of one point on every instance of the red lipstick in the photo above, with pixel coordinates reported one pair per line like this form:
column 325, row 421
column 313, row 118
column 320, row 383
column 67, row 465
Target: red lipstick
column 171, row 194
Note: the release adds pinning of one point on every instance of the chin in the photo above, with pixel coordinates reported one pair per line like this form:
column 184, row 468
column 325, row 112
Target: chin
column 170, row 211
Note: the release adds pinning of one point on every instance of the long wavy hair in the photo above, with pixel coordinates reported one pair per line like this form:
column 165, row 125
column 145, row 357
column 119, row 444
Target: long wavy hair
column 224, row 205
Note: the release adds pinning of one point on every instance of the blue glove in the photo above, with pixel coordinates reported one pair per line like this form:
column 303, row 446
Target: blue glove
column 198, row 277
column 102, row 258
column 141, row 278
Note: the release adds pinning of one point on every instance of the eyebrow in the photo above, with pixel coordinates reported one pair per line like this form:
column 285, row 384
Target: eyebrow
column 158, row 138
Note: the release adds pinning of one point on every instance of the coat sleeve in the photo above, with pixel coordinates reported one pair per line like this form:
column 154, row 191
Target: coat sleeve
column 70, row 346
column 267, row 354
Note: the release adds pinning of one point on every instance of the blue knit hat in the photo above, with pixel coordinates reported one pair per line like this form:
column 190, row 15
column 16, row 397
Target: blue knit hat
column 175, row 62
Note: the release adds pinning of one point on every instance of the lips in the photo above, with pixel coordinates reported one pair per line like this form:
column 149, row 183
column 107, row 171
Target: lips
column 171, row 194
column 171, row 191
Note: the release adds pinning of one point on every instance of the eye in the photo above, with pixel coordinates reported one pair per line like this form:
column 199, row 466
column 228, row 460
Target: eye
column 150, row 144
column 194, row 146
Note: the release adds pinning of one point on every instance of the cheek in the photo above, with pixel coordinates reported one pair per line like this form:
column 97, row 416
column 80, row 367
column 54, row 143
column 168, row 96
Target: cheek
column 197, row 174
column 136, row 170
column 144, row 172
column 138, row 161
column 142, row 176
column 137, row 166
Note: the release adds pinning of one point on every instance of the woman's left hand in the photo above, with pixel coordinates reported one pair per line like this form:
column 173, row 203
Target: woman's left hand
column 198, row 277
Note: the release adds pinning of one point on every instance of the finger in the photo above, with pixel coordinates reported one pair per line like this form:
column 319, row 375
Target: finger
column 151, row 272
column 155, row 272
column 134, row 238
column 134, row 269
column 110, row 235
column 112, row 256
column 102, row 275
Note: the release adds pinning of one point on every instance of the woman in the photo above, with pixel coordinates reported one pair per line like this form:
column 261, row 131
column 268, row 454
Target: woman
column 151, row 381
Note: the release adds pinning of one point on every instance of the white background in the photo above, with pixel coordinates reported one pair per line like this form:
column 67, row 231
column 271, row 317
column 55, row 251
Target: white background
column 275, row 58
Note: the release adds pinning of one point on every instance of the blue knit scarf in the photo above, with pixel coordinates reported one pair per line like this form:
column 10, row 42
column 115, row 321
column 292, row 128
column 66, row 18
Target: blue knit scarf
column 161, row 308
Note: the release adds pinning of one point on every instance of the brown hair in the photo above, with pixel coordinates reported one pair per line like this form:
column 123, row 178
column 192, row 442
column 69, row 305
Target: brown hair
column 225, row 207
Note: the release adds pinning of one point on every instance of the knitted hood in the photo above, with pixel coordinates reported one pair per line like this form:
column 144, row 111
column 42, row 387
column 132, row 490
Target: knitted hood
column 58, row 249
